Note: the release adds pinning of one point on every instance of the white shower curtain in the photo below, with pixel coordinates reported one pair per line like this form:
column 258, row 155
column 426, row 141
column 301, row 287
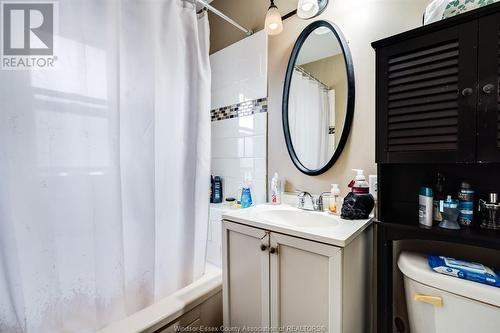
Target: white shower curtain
column 104, row 166
column 309, row 120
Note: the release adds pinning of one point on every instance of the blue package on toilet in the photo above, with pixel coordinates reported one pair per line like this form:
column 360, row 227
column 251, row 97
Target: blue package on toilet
column 467, row 270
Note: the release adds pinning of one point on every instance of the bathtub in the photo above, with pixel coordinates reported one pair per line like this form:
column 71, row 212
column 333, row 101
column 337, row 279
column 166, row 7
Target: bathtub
column 198, row 304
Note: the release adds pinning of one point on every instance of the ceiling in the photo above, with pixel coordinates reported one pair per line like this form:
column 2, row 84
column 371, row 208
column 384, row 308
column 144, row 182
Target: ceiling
column 248, row 13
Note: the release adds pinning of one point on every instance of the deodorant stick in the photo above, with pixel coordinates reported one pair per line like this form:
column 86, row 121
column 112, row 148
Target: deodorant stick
column 425, row 206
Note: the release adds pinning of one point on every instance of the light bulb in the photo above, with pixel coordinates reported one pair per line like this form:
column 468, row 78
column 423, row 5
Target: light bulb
column 307, row 8
column 273, row 23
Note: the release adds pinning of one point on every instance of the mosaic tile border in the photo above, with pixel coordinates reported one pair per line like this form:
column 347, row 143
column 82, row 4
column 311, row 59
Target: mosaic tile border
column 239, row 110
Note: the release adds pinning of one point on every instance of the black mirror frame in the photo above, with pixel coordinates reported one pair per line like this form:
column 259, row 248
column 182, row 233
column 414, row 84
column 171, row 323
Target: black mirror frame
column 350, row 95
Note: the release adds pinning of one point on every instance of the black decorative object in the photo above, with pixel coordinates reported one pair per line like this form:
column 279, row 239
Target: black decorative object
column 357, row 206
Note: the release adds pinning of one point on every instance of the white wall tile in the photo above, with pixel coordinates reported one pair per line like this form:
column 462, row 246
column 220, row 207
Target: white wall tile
column 239, row 71
column 239, row 146
column 260, row 167
column 231, row 187
column 228, row 147
column 255, row 124
column 255, row 146
column 260, row 123
column 259, row 191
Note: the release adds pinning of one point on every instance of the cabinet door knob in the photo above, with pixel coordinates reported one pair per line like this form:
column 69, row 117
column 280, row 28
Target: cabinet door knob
column 272, row 250
column 263, row 247
column 467, row 92
column 489, row 88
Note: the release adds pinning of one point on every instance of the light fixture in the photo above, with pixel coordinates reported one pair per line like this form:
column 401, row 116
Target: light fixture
column 307, row 9
column 273, row 23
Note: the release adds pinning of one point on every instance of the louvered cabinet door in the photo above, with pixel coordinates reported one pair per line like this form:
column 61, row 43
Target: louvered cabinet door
column 488, row 144
column 426, row 97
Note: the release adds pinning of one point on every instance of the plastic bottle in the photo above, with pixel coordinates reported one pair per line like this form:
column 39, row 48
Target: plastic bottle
column 246, row 192
column 335, row 203
column 438, row 196
column 466, row 204
column 360, row 185
column 425, row 206
column 216, row 191
column 276, row 190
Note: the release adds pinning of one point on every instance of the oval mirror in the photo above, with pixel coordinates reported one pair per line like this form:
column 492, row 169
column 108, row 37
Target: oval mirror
column 318, row 98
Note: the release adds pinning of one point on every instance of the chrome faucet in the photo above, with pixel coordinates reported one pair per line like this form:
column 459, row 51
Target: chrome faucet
column 302, row 200
column 317, row 204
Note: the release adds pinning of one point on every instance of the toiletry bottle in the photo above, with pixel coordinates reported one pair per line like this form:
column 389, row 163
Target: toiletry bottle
column 425, row 204
column 466, row 204
column 438, row 196
column 360, row 185
column 449, row 211
column 217, row 190
column 334, row 206
column 276, row 190
column 246, row 192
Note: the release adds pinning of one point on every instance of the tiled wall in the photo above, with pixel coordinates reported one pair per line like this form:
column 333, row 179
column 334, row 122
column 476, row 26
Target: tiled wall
column 239, row 126
column 239, row 146
column 240, row 110
column 239, row 71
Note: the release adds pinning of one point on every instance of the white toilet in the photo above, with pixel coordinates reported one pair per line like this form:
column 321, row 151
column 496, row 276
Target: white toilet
column 442, row 304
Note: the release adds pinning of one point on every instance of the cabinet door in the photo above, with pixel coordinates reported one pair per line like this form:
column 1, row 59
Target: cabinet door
column 306, row 284
column 488, row 147
column 245, row 276
column 426, row 97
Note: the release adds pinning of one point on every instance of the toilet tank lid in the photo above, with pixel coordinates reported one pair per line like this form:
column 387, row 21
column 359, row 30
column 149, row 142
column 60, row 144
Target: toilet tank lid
column 416, row 267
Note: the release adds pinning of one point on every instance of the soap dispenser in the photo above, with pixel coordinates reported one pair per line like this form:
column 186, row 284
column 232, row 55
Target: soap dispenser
column 359, row 184
column 246, row 192
column 335, row 203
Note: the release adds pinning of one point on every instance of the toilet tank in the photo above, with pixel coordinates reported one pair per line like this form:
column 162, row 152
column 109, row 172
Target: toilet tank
column 440, row 303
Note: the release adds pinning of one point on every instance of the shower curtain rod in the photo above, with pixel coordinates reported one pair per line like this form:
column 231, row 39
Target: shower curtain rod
column 217, row 12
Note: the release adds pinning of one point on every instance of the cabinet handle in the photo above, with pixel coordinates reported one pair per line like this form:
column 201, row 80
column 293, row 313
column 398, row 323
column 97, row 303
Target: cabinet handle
column 467, row 92
column 272, row 250
column 263, row 247
column 489, row 88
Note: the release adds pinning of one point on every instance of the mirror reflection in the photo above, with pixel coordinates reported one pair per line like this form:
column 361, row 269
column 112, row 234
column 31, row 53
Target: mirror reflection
column 317, row 101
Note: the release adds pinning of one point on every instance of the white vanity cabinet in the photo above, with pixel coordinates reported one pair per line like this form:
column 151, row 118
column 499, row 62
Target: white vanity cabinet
column 275, row 280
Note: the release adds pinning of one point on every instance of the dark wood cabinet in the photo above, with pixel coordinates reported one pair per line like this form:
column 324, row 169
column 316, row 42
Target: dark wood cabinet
column 437, row 111
column 488, row 103
column 438, row 93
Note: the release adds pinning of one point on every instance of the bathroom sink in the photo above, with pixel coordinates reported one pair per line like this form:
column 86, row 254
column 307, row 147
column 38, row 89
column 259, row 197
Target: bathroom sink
column 297, row 218
column 289, row 220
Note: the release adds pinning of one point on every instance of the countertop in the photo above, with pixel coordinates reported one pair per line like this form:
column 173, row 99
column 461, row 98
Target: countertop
column 339, row 235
